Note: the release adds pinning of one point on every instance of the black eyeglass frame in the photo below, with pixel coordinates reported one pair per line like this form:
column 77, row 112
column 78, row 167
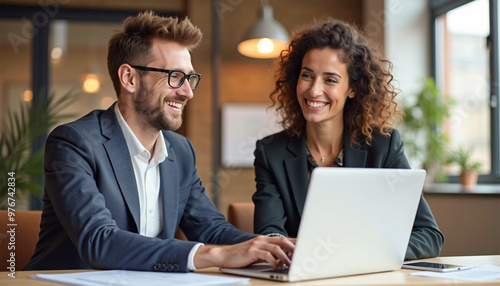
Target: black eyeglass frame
column 169, row 72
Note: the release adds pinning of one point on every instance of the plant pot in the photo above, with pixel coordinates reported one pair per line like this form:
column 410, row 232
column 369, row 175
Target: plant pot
column 468, row 178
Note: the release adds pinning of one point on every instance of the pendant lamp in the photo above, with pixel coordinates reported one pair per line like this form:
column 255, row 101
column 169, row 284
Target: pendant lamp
column 266, row 39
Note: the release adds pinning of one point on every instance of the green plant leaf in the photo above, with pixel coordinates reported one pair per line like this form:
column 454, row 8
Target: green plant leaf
column 422, row 122
column 462, row 158
column 22, row 129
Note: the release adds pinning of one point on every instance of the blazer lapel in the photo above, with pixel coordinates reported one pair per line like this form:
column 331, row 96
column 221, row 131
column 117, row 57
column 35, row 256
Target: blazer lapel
column 169, row 189
column 353, row 157
column 296, row 166
column 296, row 169
column 120, row 161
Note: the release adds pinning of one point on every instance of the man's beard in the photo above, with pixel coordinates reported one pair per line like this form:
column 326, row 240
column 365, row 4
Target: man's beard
column 155, row 114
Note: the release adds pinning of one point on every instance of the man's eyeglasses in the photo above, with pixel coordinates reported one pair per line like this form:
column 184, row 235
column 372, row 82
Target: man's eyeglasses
column 175, row 77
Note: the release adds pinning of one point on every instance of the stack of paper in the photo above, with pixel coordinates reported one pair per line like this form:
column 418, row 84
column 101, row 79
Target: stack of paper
column 124, row 277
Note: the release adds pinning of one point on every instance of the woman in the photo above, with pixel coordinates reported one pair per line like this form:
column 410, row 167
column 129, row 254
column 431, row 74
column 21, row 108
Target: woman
column 338, row 109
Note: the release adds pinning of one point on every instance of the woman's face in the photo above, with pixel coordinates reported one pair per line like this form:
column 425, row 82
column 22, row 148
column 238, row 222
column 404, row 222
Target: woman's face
column 323, row 86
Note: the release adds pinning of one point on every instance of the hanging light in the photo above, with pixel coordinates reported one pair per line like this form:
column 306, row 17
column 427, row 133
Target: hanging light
column 266, row 39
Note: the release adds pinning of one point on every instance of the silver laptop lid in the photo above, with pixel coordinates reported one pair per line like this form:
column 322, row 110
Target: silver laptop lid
column 355, row 221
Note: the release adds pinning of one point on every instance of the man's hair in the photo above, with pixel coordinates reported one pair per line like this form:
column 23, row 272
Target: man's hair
column 133, row 44
column 374, row 106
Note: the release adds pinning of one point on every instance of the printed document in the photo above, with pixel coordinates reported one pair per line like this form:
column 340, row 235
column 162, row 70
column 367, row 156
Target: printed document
column 125, row 277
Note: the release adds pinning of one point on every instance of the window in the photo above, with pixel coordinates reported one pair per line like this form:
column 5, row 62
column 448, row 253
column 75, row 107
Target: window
column 15, row 69
column 77, row 52
column 465, row 67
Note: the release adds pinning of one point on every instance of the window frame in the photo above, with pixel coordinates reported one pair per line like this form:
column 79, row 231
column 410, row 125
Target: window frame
column 440, row 7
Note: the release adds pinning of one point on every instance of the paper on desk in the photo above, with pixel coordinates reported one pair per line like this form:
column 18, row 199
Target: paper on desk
column 481, row 273
column 124, row 277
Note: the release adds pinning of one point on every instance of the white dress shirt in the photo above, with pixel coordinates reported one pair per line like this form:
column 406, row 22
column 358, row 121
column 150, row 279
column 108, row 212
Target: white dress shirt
column 147, row 176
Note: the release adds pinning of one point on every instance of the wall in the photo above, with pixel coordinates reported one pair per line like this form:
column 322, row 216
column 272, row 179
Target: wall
column 407, row 42
column 374, row 21
column 199, row 114
column 469, row 222
column 407, row 46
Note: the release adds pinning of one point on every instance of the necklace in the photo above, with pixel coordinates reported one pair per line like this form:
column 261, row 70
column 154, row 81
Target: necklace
column 322, row 158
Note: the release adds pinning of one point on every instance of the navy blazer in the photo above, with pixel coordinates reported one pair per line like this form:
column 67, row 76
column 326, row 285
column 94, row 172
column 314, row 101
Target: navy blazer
column 91, row 215
column 282, row 179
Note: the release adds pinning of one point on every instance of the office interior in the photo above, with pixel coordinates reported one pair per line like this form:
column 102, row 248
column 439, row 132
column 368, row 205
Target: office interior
column 60, row 46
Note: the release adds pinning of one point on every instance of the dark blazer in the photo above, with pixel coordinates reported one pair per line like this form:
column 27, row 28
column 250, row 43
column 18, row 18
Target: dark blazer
column 91, row 215
column 282, row 179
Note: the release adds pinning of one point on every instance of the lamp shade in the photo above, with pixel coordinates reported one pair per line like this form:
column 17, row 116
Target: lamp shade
column 266, row 39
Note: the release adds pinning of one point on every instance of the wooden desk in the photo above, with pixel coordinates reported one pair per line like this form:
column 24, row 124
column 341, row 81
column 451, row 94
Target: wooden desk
column 393, row 278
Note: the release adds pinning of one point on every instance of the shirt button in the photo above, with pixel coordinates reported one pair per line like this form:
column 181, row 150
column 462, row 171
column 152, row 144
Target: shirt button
column 144, row 154
column 150, row 211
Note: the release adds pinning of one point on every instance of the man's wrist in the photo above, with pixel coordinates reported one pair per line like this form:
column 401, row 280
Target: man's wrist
column 192, row 253
column 207, row 256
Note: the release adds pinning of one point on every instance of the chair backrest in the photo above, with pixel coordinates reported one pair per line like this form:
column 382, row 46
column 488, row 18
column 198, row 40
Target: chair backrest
column 18, row 237
column 240, row 215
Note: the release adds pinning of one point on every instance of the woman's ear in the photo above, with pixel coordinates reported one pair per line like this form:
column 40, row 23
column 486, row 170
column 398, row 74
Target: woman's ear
column 351, row 93
column 128, row 78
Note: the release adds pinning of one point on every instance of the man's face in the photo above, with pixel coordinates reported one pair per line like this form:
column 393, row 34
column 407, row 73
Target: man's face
column 157, row 103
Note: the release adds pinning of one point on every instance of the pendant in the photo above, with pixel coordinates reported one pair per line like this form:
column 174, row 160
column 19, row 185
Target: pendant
column 322, row 159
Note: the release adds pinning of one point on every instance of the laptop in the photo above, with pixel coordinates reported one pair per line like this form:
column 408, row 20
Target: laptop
column 355, row 221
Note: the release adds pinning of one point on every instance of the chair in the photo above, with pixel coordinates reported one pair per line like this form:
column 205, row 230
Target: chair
column 240, row 215
column 24, row 239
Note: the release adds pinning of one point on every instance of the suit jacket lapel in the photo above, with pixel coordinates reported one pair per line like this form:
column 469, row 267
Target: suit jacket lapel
column 120, row 161
column 296, row 166
column 353, row 157
column 296, row 169
column 169, row 189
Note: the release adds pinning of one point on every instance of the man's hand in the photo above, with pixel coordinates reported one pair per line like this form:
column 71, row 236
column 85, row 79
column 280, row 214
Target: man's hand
column 277, row 251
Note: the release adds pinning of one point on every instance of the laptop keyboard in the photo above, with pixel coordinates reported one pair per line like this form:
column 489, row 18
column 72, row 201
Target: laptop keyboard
column 281, row 270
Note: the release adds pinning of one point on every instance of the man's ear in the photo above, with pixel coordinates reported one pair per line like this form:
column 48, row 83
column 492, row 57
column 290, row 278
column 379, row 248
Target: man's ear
column 128, row 78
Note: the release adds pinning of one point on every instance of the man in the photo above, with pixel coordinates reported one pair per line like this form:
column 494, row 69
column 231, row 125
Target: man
column 119, row 182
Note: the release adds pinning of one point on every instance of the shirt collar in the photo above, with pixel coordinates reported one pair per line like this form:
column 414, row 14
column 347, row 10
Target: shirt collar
column 134, row 145
column 160, row 149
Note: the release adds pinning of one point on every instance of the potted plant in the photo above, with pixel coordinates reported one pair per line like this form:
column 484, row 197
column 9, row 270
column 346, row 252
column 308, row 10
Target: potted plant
column 423, row 117
column 468, row 168
column 18, row 159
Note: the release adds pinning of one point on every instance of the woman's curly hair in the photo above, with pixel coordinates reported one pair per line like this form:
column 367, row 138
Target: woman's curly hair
column 373, row 107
